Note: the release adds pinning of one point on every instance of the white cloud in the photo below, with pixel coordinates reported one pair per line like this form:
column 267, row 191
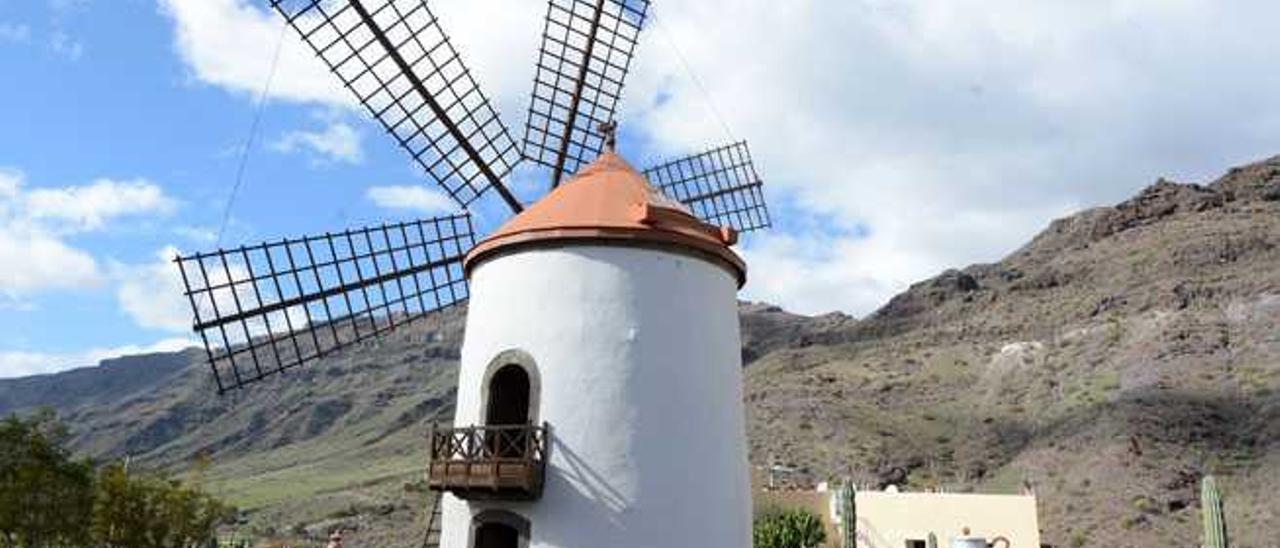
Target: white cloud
column 66, row 46
column 411, row 197
column 338, row 142
column 945, row 133
column 951, row 132
column 36, row 262
column 21, row 364
column 62, row 7
column 10, row 186
column 15, row 33
column 499, row 41
column 35, row 222
column 61, row 42
column 229, row 44
column 90, row 207
column 198, row 234
column 222, row 43
column 152, row 294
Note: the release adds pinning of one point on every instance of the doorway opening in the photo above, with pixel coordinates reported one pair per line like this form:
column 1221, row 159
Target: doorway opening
column 500, row 529
column 508, row 406
column 497, row 535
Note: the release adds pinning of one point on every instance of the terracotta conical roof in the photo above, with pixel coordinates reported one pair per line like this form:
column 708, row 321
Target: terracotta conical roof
column 610, row 202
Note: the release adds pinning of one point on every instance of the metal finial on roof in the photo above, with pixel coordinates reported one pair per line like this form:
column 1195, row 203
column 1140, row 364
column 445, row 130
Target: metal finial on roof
column 609, row 130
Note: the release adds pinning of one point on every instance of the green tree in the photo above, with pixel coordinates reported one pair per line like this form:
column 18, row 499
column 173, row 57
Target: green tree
column 45, row 496
column 787, row 529
column 49, row 500
column 148, row 512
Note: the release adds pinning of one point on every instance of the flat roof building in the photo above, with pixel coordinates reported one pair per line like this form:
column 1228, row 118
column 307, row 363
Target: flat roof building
column 904, row 520
column 893, row 519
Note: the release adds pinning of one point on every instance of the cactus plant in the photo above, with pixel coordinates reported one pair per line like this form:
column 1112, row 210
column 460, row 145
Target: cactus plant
column 933, row 541
column 848, row 517
column 1215, row 526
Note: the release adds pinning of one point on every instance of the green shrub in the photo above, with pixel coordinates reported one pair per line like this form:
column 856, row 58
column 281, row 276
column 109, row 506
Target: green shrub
column 787, row 529
column 1079, row 540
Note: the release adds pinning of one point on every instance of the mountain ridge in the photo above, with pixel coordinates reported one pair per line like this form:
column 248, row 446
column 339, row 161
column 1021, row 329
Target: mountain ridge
column 1113, row 359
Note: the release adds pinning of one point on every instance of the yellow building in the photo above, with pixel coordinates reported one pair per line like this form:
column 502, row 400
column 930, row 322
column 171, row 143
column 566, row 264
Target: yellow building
column 904, row 520
column 890, row 519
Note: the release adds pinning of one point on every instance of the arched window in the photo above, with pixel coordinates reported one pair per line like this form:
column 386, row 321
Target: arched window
column 499, row 529
column 508, row 397
column 510, row 390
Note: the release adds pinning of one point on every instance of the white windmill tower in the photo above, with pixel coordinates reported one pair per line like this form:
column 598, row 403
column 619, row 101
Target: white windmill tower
column 608, row 312
column 600, row 392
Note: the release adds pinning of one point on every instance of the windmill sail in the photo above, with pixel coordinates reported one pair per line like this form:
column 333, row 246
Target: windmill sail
column 265, row 308
column 396, row 59
column 720, row 186
column 586, row 52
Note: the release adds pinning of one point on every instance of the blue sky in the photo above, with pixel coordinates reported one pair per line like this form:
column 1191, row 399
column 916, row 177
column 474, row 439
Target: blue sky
column 120, row 105
column 896, row 137
column 109, row 102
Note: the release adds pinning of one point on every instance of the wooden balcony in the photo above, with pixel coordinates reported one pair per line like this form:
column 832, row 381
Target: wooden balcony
column 488, row 462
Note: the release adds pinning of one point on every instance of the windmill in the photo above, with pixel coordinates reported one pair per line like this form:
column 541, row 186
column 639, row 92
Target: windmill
column 609, row 258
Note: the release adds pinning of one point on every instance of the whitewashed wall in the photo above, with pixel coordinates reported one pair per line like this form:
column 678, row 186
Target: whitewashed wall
column 639, row 357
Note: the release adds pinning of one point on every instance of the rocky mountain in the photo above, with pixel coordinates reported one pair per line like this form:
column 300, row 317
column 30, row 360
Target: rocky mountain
column 1110, row 362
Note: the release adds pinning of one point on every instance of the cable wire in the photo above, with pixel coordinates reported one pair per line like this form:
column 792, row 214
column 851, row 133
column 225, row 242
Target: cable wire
column 253, row 132
column 697, row 82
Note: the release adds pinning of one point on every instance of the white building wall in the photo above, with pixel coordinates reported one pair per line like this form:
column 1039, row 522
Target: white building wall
column 888, row 520
column 639, row 358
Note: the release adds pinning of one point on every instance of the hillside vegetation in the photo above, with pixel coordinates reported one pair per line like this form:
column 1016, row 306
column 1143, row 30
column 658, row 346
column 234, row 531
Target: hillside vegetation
column 1110, row 362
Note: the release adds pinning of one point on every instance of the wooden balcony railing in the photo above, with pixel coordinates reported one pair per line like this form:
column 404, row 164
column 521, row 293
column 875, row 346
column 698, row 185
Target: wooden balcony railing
column 488, row 462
